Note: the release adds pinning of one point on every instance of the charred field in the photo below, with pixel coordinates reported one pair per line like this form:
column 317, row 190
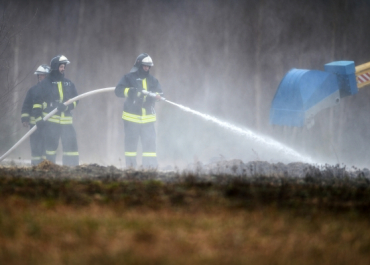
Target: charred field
column 93, row 214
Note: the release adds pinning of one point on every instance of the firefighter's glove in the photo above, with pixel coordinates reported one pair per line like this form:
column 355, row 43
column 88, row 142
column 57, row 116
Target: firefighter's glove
column 41, row 124
column 135, row 92
column 61, row 107
column 140, row 94
column 132, row 91
column 25, row 119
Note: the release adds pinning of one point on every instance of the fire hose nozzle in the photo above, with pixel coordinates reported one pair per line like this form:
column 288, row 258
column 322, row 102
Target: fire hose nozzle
column 151, row 94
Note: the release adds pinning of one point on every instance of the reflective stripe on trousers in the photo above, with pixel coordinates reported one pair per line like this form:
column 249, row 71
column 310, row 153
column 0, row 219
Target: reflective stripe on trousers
column 147, row 135
column 67, row 134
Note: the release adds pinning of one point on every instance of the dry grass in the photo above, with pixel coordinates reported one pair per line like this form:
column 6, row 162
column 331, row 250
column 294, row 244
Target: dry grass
column 66, row 221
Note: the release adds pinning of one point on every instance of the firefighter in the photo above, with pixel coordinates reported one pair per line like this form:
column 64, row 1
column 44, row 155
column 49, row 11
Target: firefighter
column 52, row 92
column 28, row 120
column 138, row 112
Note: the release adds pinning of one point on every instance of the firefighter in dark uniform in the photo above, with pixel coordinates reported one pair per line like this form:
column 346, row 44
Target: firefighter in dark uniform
column 52, row 92
column 28, row 120
column 138, row 111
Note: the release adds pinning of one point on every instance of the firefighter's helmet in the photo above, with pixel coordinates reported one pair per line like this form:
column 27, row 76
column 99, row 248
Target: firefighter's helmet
column 58, row 60
column 43, row 69
column 142, row 59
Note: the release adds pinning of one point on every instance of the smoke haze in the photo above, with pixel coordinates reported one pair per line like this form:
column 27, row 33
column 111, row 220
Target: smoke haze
column 222, row 58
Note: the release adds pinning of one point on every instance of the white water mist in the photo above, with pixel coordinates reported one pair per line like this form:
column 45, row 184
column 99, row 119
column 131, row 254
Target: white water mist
column 268, row 142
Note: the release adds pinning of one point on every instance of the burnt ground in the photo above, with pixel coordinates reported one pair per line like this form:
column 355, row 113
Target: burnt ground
column 213, row 172
column 296, row 186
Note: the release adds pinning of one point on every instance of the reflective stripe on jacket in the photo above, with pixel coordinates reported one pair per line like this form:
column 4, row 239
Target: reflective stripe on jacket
column 49, row 94
column 26, row 112
column 137, row 107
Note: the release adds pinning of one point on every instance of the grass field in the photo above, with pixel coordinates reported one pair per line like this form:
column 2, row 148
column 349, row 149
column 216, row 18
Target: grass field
column 55, row 215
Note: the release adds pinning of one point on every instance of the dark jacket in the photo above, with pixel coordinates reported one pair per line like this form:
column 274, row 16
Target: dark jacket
column 49, row 93
column 138, row 107
column 26, row 112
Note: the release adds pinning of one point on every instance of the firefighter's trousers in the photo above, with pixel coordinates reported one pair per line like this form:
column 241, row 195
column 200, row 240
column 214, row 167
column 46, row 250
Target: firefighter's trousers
column 66, row 132
column 147, row 135
column 37, row 146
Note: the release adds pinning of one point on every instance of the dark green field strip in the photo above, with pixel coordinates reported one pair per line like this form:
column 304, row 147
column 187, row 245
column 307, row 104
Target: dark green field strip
column 141, row 188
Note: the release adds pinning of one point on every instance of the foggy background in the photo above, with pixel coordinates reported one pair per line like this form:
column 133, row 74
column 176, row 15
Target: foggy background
column 222, row 58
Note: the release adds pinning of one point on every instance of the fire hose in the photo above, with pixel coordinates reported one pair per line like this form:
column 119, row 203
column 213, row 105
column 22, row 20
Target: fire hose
column 248, row 133
column 97, row 91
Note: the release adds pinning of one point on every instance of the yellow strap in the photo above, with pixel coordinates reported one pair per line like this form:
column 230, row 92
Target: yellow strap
column 51, row 152
column 37, row 106
column 138, row 118
column 70, row 153
column 125, row 93
column 134, row 116
column 60, row 87
column 25, row 115
column 130, row 154
column 145, row 86
column 66, row 122
column 62, row 119
column 54, row 116
column 149, row 154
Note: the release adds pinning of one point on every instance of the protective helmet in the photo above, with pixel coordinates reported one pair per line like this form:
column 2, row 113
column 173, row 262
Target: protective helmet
column 142, row 59
column 43, row 69
column 57, row 60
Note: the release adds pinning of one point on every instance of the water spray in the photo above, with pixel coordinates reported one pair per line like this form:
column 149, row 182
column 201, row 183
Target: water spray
column 248, row 133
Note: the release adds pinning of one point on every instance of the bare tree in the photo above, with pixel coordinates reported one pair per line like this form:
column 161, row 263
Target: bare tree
column 9, row 74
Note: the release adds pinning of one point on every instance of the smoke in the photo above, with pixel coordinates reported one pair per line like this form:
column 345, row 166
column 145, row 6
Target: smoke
column 222, row 58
